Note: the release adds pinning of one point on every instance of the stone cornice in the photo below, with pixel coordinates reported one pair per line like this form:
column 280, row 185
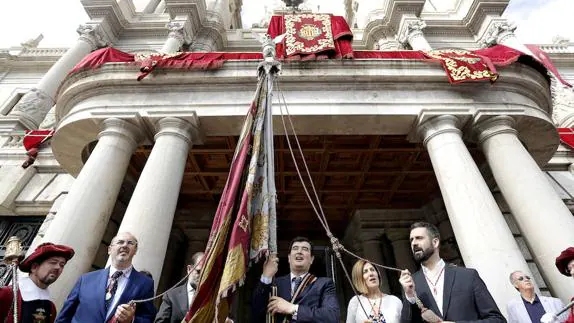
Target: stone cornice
column 385, row 22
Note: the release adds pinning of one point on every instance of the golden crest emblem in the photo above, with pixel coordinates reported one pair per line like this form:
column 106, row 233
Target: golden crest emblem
column 39, row 316
column 309, row 32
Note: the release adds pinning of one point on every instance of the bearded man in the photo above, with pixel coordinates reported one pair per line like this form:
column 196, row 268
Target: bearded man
column 453, row 293
column 44, row 266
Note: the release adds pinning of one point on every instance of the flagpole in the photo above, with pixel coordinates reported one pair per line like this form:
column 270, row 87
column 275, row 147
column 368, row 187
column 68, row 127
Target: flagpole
column 270, row 67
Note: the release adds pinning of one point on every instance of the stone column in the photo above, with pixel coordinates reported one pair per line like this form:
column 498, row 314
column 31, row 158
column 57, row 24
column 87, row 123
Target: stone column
column 150, row 213
column 402, row 249
column 84, row 214
column 179, row 33
column 411, row 32
column 542, row 217
column 34, row 105
column 484, row 239
column 502, row 32
column 372, row 251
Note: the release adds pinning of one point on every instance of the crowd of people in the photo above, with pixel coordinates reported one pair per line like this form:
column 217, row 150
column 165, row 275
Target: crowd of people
column 438, row 292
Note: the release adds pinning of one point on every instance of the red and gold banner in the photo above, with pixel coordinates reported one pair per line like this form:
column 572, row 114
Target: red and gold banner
column 463, row 65
column 240, row 230
column 312, row 36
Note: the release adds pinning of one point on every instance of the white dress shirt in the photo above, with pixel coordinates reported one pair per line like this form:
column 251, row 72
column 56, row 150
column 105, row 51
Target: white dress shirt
column 30, row 291
column 435, row 275
column 190, row 294
column 122, row 282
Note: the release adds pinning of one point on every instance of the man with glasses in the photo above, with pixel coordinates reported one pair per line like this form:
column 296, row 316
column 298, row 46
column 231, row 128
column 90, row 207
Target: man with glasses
column 530, row 307
column 103, row 295
column 175, row 303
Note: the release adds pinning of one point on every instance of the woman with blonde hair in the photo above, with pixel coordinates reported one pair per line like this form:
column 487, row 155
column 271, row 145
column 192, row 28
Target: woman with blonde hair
column 371, row 305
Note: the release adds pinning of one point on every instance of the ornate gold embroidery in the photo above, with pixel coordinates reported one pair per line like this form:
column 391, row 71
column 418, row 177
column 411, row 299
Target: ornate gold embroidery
column 243, row 223
column 460, row 72
column 234, row 268
column 259, row 231
column 308, row 32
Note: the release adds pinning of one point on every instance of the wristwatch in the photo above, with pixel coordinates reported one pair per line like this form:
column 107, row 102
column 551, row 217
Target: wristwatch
column 294, row 315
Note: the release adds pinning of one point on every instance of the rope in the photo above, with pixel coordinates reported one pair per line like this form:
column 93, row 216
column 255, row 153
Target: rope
column 133, row 302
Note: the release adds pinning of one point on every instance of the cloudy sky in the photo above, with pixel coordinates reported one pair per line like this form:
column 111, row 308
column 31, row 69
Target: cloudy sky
column 538, row 21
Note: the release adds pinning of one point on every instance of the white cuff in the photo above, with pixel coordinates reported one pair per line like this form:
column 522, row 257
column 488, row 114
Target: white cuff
column 266, row 280
column 294, row 316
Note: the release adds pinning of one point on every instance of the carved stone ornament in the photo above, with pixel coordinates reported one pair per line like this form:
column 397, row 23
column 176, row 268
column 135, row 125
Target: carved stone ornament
column 411, row 29
column 562, row 103
column 497, row 33
column 179, row 31
column 92, row 35
column 34, row 105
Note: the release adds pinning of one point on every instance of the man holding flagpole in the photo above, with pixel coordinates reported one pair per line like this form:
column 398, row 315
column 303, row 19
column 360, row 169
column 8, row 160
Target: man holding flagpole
column 301, row 297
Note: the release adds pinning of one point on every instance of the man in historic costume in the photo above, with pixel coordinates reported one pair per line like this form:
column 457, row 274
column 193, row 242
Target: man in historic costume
column 175, row 303
column 436, row 281
column 301, row 297
column 104, row 295
column 44, row 266
column 565, row 264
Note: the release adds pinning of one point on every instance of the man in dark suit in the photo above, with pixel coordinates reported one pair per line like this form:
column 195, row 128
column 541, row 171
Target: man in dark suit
column 301, row 297
column 103, row 295
column 453, row 293
column 175, row 304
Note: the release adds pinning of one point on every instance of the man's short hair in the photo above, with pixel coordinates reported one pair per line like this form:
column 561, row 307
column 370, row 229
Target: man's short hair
column 196, row 257
column 301, row 239
column 431, row 229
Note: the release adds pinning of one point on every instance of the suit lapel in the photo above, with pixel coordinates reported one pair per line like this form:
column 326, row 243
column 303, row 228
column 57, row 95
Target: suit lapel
column 101, row 285
column 182, row 299
column 128, row 291
column 449, row 275
column 305, row 291
column 424, row 293
column 523, row 312
column 284, row 287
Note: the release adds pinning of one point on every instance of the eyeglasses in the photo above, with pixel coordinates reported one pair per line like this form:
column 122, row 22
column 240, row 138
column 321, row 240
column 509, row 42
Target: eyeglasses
column 521, row 278
column 130, row 243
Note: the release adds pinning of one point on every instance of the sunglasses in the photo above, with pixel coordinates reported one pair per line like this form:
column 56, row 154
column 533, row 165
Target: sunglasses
column 521, row 278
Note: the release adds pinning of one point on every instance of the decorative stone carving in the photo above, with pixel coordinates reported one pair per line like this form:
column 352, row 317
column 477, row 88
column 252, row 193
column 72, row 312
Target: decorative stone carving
column 92, row 34
column 498, row 33
column 562, row 103
column 410, row 30
column 180, row 31
column 33, row 106
column 388, row 44
column 49, row 120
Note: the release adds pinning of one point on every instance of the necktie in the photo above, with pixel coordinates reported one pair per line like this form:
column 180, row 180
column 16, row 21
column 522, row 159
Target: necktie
column 295, row 282
column 112, row 287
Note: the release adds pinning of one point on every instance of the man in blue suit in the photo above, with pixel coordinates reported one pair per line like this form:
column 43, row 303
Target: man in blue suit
column 301, row 297
column 103, row 295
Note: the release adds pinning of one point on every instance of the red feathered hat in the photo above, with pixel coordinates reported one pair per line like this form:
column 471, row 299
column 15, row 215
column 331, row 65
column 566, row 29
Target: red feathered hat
column 562, row 261
column 45, row 251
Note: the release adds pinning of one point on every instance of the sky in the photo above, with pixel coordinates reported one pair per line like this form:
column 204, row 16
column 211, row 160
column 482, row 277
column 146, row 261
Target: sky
column 538, row 21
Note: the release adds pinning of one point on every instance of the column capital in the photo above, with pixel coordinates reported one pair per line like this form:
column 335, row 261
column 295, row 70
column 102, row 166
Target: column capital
column 562, row 102
column 121, row 128
column 409, row 29
column 180, row 30
column 497, row 33
column 31, row 107
column 178, row 127
column 492, row 126
column 93, row 35
column 436, row 125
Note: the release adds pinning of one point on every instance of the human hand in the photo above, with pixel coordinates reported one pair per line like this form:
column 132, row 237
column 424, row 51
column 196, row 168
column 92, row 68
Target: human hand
column 407, row 282
column 125, row 313
column 271, row 266
column 548, row 318
column 281, row 306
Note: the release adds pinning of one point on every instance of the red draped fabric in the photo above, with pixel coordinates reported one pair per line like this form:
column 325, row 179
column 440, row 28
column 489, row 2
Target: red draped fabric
column 313, row 47
column 460, row 65
column 567, row 136
column 101, row 56
column 543, row 58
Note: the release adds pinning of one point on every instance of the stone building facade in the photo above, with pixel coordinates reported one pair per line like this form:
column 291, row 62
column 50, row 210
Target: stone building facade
column 388, row 143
